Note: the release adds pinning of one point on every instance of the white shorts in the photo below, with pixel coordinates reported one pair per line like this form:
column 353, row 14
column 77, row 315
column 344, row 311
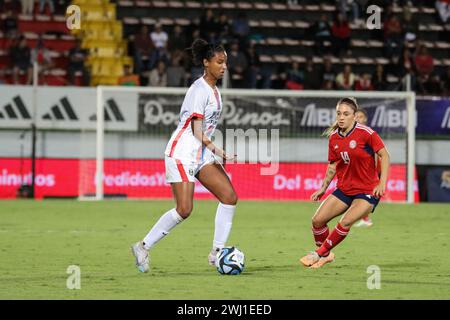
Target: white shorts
column 179, row 171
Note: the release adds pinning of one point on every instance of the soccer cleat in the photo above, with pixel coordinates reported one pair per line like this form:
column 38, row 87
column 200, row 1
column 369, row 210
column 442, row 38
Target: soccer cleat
column 310, row 259
column 142, row 256
column 364, row 223
column 212, row 257
column 323, row 260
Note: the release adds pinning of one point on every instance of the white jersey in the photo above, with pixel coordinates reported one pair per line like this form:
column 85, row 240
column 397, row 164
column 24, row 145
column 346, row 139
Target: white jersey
column 201, row 101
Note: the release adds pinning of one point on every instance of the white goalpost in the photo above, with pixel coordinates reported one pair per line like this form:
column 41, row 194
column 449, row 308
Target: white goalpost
column 304, row 112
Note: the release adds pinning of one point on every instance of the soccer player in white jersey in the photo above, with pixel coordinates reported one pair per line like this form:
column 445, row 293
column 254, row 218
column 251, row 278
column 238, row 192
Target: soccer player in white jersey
column 190, row 153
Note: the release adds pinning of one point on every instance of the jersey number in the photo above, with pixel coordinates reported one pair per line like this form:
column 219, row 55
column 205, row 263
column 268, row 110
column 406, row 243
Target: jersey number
column 345, row 157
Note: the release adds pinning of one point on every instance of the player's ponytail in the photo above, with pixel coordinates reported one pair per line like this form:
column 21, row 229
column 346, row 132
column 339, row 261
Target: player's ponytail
column 348, row 101
column 201, row 49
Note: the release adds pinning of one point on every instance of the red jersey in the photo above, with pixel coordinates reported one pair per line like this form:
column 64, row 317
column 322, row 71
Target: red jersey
column 355, row 156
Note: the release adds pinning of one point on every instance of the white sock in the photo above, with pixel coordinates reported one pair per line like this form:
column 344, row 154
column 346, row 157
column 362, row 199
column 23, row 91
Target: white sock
column 162, row 228
column 224, row 220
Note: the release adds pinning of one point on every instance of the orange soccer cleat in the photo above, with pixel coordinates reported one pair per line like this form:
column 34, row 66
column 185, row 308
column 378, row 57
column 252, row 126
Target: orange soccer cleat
column 310, row 259
column 323, row 260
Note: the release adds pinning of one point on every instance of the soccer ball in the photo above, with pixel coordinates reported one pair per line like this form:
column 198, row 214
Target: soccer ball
column 230, row 260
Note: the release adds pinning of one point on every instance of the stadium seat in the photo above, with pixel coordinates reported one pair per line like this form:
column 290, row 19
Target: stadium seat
column 261, row 6
column 244, row 5
column 143, row 4
column 227, row 5
column 193, row 4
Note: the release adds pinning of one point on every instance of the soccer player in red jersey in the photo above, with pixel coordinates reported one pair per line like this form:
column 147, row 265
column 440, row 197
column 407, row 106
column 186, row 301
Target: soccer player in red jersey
column 351, row 155
column 190, row 154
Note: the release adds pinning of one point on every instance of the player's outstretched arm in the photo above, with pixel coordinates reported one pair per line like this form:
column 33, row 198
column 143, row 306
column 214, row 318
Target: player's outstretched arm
column 197, row 125
column 331, row 172
column 380, row 189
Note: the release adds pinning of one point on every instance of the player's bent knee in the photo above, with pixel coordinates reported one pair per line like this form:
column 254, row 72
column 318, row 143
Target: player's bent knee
column 184, row 211
column 346, row 223
column 318, row 222
column 230, row 199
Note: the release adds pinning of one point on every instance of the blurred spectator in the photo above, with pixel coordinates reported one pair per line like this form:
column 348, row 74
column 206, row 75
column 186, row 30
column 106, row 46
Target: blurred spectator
column 241, row 29
column 379, row 78
column 295, row 77
column 143, row 49
column 177, row 40
column 424, row 62
column 27, row 6
column 346, row 79
column 20, row 57
column 393, row 36
column 159, row 37
column 328, row 74
column 446, row 82
column 129, row 78
column 443, row 9
column 433, row 85
column 364, row 83
column 321, row 31
column 312, row 79
column 42, row 56
column 410, row 25
column 175, row 72
column 349, row 6
column 340, row 32
column 160, row 40
column 208, row 26
column 11, row 25
column 224, row 35
column 237, row 65
column 77, row 59
column 50, row 3
column 406, row 61
column 256, row 70
column 158, row 76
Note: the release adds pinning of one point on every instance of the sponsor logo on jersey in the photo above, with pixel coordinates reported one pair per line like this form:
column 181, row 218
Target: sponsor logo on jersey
column 336, row 146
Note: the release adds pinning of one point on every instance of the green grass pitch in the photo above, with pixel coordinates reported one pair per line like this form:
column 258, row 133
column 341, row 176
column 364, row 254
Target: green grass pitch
column 40, row 239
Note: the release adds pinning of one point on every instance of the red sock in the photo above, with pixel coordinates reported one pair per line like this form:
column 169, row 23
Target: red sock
column 337, row 235
column 320, row 234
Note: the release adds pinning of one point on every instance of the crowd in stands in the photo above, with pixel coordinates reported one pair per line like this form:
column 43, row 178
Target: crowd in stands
column 161, row 59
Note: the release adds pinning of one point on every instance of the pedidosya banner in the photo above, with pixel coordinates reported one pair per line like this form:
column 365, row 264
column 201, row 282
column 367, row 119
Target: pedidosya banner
column 134, row 178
